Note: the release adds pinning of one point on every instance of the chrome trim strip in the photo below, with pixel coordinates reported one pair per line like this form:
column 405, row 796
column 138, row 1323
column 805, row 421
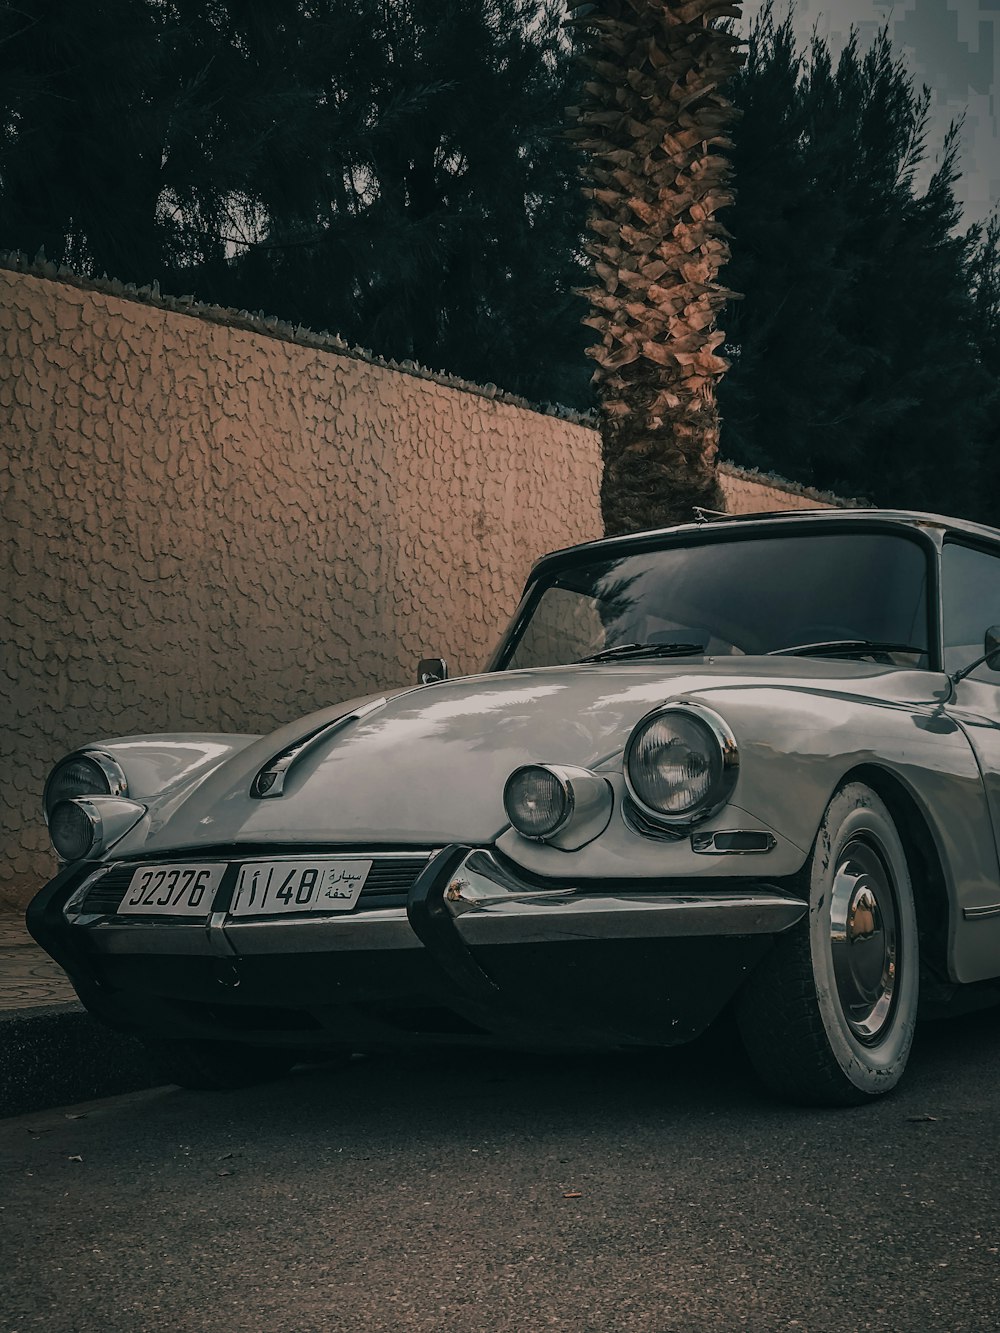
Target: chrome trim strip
column 71, row 906
column 705, row 843
column 183, row 939
column 492, row 906
column 111, row 817
column 981, row 913
column 651, row 916
column 225, row 937
column 112, row 770
column 278, row 767
column 334, row 854
column 384, row 928
column 253, row 852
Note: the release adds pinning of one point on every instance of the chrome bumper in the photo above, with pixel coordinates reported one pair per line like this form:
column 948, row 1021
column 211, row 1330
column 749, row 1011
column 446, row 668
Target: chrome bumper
column 482, row 900
column 640, row 966
column 491, row 905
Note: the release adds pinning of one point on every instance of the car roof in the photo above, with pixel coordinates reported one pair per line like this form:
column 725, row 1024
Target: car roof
column 746, row 524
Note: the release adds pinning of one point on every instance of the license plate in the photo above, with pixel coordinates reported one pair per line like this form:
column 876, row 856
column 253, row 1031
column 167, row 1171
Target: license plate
column 317, row 885
column 186, row 890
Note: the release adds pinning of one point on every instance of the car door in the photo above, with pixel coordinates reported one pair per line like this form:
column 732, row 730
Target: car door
column 970, row 594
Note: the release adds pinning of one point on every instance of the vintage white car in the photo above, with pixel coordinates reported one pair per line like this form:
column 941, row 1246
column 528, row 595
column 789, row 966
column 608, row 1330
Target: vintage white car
column 752, row 762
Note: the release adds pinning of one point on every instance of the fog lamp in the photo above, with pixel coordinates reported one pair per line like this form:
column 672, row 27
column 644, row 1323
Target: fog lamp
column 74, row 828
column 537, row 801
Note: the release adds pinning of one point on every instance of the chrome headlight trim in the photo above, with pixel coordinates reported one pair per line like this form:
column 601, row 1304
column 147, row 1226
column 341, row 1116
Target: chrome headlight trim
column 107, row 764
column 79, row 805
column 588, row 799
column 110, row 818
column 565, row 790
column 720, row 734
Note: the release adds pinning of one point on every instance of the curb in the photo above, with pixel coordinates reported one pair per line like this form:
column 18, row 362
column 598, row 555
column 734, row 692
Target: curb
column 56, row 1054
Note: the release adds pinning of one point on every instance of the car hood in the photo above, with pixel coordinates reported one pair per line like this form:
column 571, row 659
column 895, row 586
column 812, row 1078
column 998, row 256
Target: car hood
column 428, row 767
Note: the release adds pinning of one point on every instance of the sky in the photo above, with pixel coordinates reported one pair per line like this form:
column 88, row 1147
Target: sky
column 951, row 45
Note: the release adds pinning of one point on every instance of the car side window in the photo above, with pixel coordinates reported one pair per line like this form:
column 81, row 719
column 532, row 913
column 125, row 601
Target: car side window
column 971, row 596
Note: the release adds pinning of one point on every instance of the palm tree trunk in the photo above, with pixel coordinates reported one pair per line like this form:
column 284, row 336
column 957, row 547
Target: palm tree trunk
column 652, row 123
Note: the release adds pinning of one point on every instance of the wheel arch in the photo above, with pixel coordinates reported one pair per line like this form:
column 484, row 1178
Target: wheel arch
column 926, row 867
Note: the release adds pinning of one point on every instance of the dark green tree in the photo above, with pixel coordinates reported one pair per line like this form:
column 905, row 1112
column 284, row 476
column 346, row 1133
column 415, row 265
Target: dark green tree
column 393, row 172
column 444, row 223
column 858, row 366
column 985, row 270
column 79, row 106
column 135, row 134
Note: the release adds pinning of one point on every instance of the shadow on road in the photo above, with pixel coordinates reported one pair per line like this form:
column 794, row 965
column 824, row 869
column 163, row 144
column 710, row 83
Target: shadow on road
column 447, row 1092
column 459, row 1190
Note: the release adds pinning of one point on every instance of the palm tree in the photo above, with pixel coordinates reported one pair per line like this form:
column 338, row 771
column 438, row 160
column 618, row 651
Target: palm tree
column 652, row 123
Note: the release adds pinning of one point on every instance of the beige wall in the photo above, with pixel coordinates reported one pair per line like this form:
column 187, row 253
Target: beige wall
column 207, row 527
column 756, row 493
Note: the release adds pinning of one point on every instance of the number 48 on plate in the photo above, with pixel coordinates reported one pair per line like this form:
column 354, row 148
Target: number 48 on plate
column 265, row 888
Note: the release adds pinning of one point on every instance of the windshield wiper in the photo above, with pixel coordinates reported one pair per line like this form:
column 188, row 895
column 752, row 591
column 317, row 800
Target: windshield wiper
column 844, row 648
column 624, row 650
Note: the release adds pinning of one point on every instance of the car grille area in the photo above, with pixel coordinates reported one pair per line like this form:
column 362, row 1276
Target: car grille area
column 388, row 884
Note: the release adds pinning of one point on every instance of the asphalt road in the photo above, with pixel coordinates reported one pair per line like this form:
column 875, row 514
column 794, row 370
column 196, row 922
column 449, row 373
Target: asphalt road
column 476, row 1194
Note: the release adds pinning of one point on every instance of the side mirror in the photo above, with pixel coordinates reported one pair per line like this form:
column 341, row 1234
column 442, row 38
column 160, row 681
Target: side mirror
column 991, row 656
column 431, row 669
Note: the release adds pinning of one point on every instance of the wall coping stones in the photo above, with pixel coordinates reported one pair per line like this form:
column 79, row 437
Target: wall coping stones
column 270, row 326
column 827, row 499
column 257, row 322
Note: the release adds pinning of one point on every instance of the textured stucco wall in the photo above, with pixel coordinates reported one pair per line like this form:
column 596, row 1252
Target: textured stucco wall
column 205, row 527
column 208, row 528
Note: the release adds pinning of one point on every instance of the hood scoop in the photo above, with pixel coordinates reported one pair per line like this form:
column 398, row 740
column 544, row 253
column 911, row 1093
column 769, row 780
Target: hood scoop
column 270, row 780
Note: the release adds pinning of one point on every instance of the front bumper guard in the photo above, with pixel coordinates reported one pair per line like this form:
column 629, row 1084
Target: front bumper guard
column 464, row 899
column 490, row 904
column 466, row 895
column 467, row 898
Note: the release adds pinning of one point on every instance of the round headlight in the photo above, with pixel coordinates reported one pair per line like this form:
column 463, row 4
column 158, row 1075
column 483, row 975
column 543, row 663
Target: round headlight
column 86, row 774
column 681, row 763
column 536, row 801
column 73, row 829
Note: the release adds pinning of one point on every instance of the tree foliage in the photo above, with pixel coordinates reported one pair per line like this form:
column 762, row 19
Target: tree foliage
column 393, row 170
column 984, row 502
column 861, row 363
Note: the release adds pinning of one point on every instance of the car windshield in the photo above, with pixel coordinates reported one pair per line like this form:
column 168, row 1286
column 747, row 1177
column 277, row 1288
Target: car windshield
column 832, row 594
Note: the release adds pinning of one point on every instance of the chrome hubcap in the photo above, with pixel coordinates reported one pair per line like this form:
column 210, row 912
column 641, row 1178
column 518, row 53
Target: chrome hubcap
column 863, row 937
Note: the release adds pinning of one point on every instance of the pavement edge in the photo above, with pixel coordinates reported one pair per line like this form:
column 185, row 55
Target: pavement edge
column 52, row 1055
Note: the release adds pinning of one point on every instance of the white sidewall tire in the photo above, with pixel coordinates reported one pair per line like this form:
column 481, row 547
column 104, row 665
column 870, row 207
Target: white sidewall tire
column 872, row 1068
column 790, row 1012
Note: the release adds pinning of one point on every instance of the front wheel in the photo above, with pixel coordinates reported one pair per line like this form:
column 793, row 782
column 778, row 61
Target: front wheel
column 215, row 1066
column 828, row 1017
